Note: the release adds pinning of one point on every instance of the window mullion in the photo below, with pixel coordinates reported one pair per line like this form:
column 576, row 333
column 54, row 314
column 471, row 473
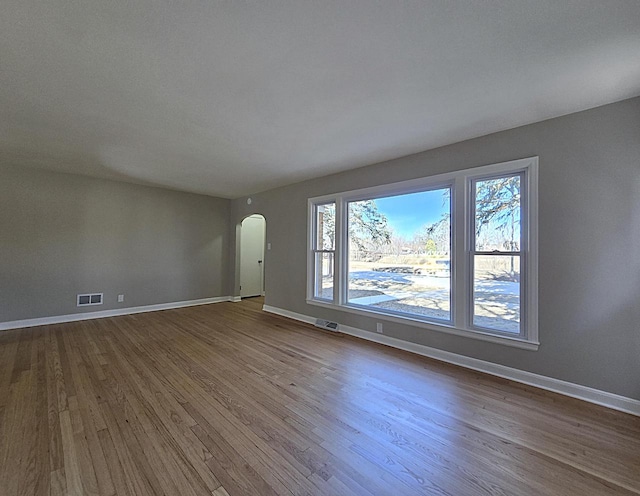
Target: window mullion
column 339, row 280
column 460, row 291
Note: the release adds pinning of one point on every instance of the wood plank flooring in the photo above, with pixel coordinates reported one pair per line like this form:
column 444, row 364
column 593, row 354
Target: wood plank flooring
column 226, row 400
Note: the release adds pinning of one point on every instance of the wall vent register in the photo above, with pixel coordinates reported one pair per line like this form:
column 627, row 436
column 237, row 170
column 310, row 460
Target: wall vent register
column 88, row 299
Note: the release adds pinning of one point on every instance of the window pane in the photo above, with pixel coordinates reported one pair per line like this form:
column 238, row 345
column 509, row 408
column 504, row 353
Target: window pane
column 496, row 292
column 323, row 276
column 497, row 204
column 326, row 226
column 400, row 254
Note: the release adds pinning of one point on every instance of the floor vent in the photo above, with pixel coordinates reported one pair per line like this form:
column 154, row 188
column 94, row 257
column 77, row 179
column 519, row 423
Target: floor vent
column 326, row 324
column 90, row 299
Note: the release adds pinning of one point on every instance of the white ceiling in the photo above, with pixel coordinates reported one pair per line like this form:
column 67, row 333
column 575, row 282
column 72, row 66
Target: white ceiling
column 234, row 97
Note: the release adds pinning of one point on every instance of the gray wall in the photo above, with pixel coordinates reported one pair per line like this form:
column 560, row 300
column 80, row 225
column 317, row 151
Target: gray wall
column 63, row 234
column 589, row 277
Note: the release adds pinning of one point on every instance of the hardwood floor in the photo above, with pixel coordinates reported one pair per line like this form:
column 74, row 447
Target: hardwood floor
column 226, row 400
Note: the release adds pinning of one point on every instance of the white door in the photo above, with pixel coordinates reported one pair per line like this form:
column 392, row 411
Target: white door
column 252, row 256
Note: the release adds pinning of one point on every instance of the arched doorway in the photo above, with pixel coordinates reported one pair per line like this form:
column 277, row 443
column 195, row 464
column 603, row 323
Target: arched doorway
column 252, row 241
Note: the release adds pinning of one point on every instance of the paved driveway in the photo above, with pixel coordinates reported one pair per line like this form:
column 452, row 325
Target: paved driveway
column 497, row 303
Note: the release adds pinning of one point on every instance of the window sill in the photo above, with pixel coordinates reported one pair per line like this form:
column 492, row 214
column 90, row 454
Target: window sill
column 515, row 342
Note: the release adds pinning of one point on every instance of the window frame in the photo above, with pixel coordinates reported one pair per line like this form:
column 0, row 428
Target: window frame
column 462, row 235
column 315, row 251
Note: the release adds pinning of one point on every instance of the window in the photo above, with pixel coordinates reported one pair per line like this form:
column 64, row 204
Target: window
column 324, row 250
column 495, row 253
column 454, row 253
column 400, row 262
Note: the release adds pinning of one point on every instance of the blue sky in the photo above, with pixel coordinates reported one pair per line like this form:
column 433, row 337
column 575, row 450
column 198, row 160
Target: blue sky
column 408, row 213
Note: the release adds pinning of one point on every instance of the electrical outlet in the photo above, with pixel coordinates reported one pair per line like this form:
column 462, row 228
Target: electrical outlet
column 268, row 246
column 379, row 327
column 120, row 298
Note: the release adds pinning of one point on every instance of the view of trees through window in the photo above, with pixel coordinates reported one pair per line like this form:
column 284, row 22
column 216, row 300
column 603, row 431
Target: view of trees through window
column 400, row 253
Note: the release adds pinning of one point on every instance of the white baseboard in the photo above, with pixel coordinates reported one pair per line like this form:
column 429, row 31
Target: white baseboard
column 235, row 299
column 74, row 317
column 604, row 398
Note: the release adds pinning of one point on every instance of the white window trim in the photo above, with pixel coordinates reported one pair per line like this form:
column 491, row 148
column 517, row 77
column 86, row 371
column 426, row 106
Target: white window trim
column 461, row 223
